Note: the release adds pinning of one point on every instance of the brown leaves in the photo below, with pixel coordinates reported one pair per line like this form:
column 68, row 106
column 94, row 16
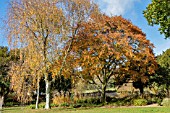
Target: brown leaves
column 113, row 43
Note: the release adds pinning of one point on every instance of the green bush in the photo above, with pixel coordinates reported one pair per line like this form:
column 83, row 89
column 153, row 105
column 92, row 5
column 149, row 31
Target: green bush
column 154, row 100
column 81, row 101
column 95, row 101
column 41, row 105
column 65, row 104
column 119, row 103
column 77, row 105
column 9, row 104
column 32, row 106
column 166, row 102
column 159, row 101
column 54, row 105
column 139, row 102
column 125, row 101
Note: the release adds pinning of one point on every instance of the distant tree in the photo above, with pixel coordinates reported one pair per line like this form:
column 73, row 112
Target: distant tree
column 4, row 67
column 6, row 58
column 158, row 13
column 163, row 73
column 62, row 85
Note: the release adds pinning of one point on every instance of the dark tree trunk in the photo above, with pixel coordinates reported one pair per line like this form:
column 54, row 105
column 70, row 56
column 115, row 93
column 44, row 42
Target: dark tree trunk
column 103, row 98
column 167, row 90
column 141, row 90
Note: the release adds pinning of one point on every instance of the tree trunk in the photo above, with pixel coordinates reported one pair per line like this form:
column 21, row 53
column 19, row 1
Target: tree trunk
column 1, row 101
column 167, row 89
column 38, row 93
column 141, row 90
column 48, row 85
column 103, row 98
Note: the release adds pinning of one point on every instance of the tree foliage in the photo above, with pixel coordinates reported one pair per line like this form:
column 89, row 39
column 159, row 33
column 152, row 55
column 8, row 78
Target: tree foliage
column 40, row 28
column 4, row 79
column 163, row 73
column 112, row 47
column 158, row 13
column 35, row 28
column 72, row 38
column 6, row 59
column 62, row 85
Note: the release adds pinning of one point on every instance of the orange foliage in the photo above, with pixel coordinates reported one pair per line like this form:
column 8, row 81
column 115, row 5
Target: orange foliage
column 107, row 47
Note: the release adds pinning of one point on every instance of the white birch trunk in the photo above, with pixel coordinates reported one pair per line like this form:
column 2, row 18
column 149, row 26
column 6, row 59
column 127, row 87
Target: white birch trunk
column 48, row 84
column 38, row 93
column 1, row 101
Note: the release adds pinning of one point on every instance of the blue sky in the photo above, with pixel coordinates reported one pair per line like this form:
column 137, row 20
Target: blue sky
column 129, row 9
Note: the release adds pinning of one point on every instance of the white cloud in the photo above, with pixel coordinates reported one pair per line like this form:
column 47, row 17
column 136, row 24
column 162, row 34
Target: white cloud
column 116, row 7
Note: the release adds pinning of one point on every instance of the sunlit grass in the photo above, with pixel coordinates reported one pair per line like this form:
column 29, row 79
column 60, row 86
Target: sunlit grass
column 89, row 110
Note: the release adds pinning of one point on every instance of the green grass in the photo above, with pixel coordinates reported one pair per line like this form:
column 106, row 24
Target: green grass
column 89, row 110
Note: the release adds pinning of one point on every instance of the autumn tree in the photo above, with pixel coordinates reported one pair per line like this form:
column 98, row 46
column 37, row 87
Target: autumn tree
column 35, row 27
column 108, row 47
column 25, row 77
column 41, row 28
column 157, row 13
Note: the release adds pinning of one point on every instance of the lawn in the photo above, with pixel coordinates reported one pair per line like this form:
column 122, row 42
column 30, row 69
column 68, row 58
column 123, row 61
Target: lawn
column 89, row 110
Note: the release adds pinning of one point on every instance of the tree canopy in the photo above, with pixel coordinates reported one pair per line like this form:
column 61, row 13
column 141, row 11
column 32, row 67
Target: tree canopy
column 111, row 47
column 158, row 13
column 40, row 28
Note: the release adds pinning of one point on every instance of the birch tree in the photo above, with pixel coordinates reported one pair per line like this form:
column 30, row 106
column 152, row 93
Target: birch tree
column 41, row 28
column 36, row 26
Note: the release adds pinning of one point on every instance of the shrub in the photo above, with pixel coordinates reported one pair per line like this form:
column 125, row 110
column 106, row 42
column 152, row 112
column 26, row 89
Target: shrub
column 95, row 101
column 61, row 99
column 139, row 102
column 65, row 104
column 54, row 105
column 166, row 102
column 81, row 101
column 41, row 105
column 32, row 106
column 76, row 105
column 159, row 101
column 125, row 101
column 9, row 104
column 154, row 99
